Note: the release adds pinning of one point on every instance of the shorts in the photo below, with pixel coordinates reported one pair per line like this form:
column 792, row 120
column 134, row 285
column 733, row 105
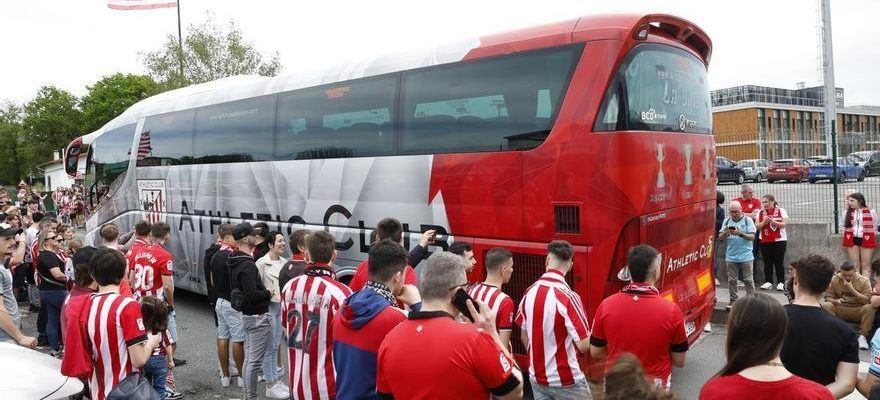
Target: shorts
column 229, row 322
column 857, row 241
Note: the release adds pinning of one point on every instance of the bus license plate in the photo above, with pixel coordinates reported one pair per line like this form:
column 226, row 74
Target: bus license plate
column 689, row 328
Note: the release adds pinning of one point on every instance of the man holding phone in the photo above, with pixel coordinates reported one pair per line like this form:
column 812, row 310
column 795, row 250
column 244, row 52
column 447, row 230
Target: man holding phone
column 739, row 232
column 849, row 298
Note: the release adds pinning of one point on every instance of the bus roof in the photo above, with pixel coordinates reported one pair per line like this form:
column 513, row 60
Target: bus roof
column 597, row 27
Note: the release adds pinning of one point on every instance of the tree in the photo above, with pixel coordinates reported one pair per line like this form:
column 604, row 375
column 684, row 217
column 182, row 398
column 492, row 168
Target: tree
column 112, row 95
column 11, row 131
column 209, row 53
column 51, row 121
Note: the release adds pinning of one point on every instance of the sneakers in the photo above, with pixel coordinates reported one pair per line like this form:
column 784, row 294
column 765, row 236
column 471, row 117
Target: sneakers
column 172, row 395
column 261, row 379
column 863, row 344
column 240, row 382
column 278, row 391
column 780, row 287
column 767, row 286
column 707, row 328
column 717, row 282
column 179, row 362
column 224, row 381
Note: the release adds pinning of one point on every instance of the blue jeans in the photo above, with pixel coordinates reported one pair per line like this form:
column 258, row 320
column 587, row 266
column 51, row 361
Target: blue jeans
column 52, row 301
column 156, row 371
column 580, row 390
column 270, row 358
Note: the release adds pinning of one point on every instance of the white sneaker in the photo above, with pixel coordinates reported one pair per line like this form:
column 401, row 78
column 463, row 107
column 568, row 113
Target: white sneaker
column 241, row 382
column 717, row 282
column 767, row 286
column 278, row 391
column 863, row 344
column 707, row 328
column 260, row 379
column 780, row 287
column 224, row 381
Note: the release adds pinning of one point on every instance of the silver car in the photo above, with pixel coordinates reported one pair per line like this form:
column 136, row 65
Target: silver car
column 756, row 170
column 29, row 374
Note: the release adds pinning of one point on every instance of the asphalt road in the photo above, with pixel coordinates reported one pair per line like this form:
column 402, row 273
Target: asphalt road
column 198, row 379
column 805, row 201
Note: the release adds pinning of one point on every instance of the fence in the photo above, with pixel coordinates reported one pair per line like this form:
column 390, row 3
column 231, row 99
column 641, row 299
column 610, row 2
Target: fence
column 804, row 201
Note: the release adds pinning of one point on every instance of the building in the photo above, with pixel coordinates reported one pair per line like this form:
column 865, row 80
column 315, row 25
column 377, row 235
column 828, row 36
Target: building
column 773, row 123
column 54, row 175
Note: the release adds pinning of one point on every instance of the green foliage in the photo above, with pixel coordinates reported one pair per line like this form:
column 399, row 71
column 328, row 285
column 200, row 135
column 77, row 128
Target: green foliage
column 11, row 131
column 112, row 95
column 51, row 121
column 209, row 53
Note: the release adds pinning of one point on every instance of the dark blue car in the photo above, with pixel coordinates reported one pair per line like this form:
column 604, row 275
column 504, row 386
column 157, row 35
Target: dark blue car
column 847, row 168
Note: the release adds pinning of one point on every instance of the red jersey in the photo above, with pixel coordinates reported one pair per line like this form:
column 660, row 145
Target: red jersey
column 554, row 318
column 309, row 304
column 471, row 363
column 150, row 264
column 644, row 324
column 736, row 387
column 114, row 325
column 751, row 205
column 362, row 275
column 500, row 303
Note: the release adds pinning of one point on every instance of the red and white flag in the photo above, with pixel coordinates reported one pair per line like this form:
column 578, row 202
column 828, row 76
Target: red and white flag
column 144, row 147
column 156, row 210
column 140, row 4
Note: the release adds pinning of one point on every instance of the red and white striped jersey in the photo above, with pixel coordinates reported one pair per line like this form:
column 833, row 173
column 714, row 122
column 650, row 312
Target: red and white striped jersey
column 500, row 303
column 150, row 263
column 115, row 323
column 553, row 317
column 309, row 304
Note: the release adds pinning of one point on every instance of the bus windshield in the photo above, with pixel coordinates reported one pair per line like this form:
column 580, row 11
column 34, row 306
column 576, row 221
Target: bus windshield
column 108, row 161
column 657, row 88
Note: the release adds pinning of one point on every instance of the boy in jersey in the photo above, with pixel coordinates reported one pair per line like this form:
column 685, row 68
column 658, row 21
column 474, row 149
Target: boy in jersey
column 499, row 268
column 309, row 304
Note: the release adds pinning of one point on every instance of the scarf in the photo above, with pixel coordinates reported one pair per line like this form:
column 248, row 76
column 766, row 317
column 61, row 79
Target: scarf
column 769, row 234
column 637, row 288
column 868, row 239
column 383, row 290
column 320, row 269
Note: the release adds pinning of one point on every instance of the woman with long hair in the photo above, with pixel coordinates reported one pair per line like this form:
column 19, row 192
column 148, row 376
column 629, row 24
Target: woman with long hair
column 771, row 223
column 860, row 232
column 270, row 267
column 756, row 328
column 625, row 380
column 52, row 283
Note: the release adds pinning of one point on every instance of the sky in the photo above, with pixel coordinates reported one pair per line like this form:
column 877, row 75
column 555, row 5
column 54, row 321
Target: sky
column 73, row 43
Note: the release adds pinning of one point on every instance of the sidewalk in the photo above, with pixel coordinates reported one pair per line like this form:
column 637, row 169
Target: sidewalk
column 719, row 319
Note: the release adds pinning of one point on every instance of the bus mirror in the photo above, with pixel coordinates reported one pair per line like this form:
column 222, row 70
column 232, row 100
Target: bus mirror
column 642, row 32
column 623, row 274
column 71, row 157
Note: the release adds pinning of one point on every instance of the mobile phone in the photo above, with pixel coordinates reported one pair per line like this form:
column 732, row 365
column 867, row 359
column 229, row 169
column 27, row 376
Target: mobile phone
column 731, row 228
column 459, row 301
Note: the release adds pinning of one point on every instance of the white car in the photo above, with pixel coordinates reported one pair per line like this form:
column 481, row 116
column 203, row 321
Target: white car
column 29, row 374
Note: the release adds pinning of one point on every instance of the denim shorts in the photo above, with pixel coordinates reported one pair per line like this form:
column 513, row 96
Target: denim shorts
column 229, row 324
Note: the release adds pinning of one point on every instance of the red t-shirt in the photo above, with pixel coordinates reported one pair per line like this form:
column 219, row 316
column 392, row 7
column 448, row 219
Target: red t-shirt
column 471, row 363
column 736, row 387
column 646, row 325
column 361, row 276
column 150, row 264
column 749, row 206
column 115, row 324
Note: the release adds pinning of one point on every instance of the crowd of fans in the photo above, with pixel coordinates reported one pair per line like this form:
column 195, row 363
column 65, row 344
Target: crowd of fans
column 108, row 312
column 67, row 204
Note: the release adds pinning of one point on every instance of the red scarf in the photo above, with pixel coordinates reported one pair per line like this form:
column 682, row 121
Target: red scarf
column 769, row 234
column 638, row 288
column 868, row 239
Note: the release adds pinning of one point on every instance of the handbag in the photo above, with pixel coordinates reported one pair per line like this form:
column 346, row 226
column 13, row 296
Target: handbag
column 134, row 387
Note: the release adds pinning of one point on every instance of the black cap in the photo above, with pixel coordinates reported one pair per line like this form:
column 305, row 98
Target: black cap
column 242, row 230
column 7, row 230
column 84, row 255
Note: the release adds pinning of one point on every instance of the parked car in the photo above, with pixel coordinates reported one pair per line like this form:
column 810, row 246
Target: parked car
column 756, row 170
column 872, row 166
column 847, row 168
column 789, row 169
column 861, row 156
column 42, row 380
column 728, row 171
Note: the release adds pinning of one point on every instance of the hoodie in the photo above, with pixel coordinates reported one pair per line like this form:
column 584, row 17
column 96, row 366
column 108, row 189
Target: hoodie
column 364, row 320
column 246, row 277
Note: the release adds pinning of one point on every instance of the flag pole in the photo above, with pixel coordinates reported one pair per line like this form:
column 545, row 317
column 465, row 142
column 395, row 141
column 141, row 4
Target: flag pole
column 179, row 41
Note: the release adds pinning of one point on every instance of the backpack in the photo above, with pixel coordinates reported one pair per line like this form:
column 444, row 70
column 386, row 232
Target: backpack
column 77, row 360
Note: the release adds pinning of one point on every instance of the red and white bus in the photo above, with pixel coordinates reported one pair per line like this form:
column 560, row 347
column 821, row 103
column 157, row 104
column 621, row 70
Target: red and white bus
column 593, row 130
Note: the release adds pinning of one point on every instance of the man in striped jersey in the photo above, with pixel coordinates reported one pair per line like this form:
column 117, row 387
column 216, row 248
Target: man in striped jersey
column 499, row 268
column 119, row 341
column 554, row 329
column 309, row 304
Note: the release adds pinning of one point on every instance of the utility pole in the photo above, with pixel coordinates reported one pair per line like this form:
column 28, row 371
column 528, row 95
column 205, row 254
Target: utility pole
column 830, row 102
column 179, row 41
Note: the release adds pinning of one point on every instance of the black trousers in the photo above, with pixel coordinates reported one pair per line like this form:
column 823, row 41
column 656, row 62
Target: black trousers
column 774, row 261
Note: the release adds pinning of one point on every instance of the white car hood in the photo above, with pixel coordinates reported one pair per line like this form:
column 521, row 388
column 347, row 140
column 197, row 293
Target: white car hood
column 29, row 374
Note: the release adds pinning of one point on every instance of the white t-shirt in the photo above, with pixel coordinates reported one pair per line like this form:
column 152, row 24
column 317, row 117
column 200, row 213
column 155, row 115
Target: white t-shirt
column 269, row 271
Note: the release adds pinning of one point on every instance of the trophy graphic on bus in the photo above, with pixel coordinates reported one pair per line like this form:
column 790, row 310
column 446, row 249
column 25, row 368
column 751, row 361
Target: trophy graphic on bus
column 688, row 175
column 661, row 179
